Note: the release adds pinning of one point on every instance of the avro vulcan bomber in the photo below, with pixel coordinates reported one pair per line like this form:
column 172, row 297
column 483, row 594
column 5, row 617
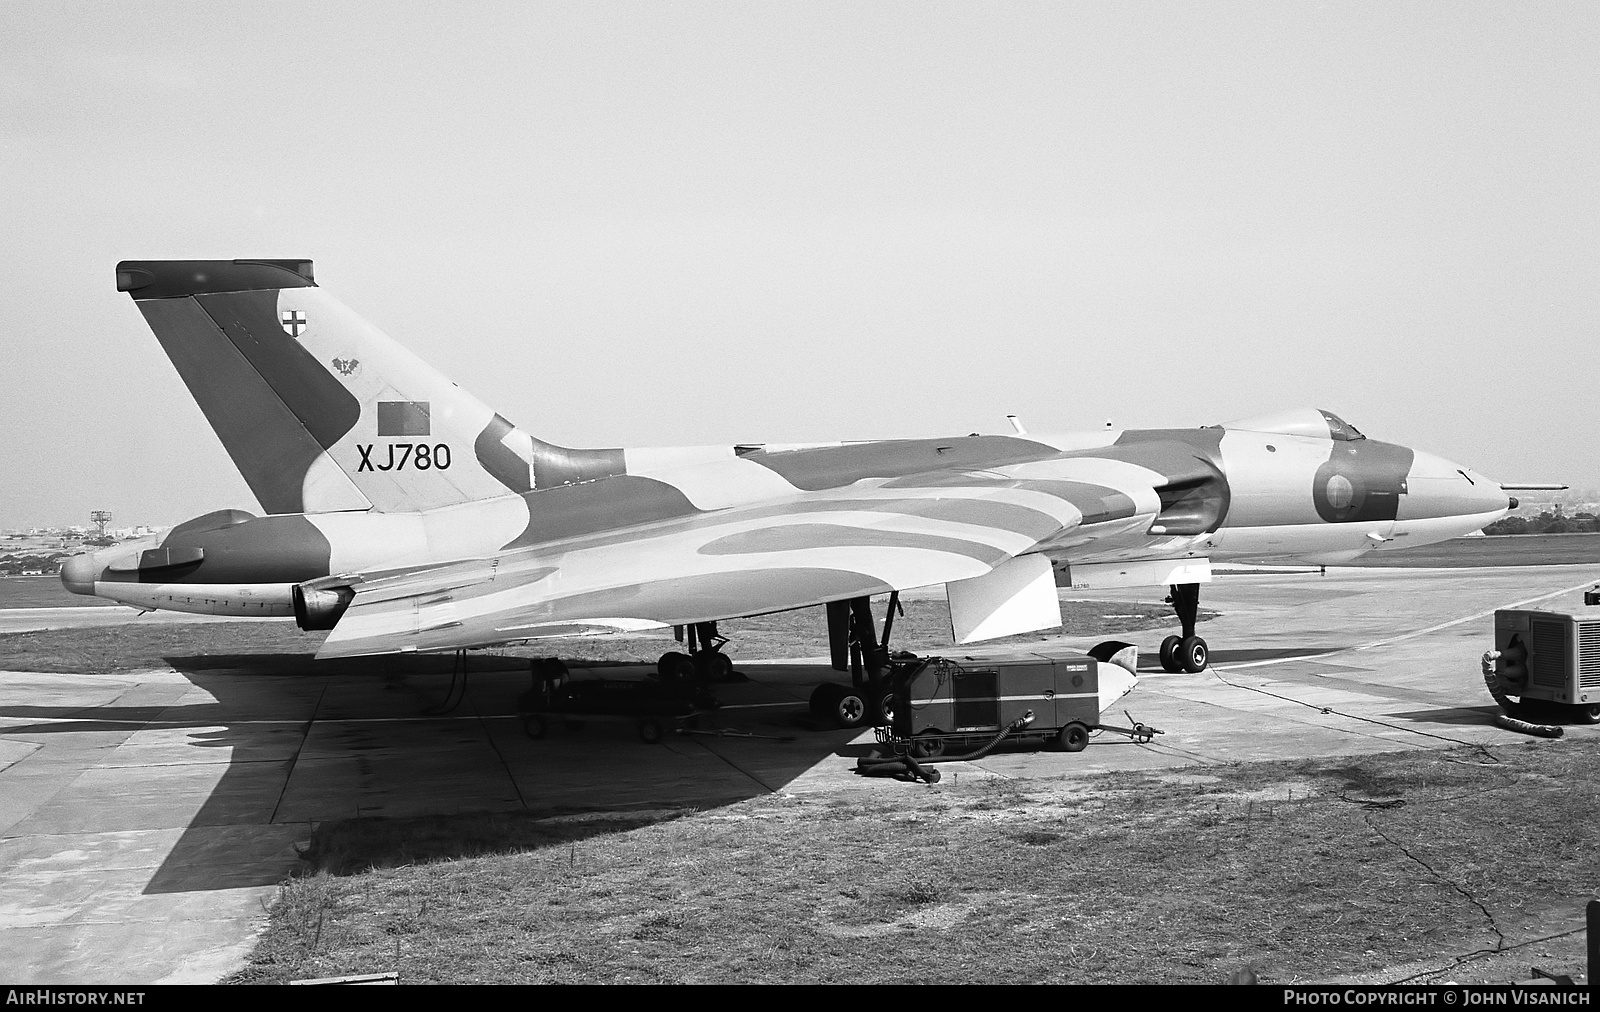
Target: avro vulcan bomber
column 403, row 514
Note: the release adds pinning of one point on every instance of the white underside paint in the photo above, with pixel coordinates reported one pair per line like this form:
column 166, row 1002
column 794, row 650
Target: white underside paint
column 249, row 600
column 1154, row 573
column 1427, row 531
column 1298, row 539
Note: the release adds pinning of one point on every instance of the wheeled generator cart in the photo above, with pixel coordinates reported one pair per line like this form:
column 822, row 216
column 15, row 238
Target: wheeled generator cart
column 652, row 707
column 938, row 704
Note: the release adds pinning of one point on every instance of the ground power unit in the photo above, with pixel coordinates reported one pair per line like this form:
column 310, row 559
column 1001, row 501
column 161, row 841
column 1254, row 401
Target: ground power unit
column 943, row 703
column 1550, row 656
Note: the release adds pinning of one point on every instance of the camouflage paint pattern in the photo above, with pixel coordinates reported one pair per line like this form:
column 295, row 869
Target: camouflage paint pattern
column 455, row 528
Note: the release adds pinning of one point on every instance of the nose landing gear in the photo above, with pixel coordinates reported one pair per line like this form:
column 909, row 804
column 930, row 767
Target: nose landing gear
column 1187, row 652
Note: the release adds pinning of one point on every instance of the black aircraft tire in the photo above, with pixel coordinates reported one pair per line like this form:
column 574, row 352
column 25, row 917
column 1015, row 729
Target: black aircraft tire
column 549, row 669
column 822, row 700
column 1193, row 654
column 1073, row 738
column 1169, row 654
column 675, row 666
column 533, row 726
column 714, row 666
column 650, row 731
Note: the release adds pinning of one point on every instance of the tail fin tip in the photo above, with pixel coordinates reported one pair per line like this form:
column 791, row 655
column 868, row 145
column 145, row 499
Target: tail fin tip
column 176, row 279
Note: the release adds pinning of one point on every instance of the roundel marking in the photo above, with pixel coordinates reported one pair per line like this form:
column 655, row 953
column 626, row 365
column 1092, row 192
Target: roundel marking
column 1340, row 491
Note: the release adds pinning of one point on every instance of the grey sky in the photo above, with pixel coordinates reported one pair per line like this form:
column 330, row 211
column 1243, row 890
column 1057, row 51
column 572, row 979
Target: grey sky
column 652, row 224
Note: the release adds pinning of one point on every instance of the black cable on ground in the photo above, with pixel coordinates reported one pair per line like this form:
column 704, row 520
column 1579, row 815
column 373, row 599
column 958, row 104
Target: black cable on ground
column 908, row 765
column 1510, row 719
column 1353, row 716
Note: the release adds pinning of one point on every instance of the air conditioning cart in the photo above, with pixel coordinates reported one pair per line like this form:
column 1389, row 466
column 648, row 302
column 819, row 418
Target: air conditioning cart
column 1547, row 657
column 941, row 704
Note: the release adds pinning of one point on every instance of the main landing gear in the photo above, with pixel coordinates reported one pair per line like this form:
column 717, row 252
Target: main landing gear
column 1187, row 652
column 854, row 646
column 704, row 661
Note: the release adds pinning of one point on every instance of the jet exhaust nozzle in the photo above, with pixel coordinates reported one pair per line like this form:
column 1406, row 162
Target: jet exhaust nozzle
column 320, row 609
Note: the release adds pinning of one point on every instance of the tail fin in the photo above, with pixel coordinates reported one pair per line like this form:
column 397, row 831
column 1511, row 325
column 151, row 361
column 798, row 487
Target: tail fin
column 322, row 411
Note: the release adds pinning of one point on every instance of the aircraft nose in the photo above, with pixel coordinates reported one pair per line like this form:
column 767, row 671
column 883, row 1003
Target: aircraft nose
column 79, row 573
column 1441, row 488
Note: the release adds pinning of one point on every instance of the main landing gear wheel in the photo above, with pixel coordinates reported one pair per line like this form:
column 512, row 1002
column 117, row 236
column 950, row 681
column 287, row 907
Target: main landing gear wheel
column 1073, row 738
column 675, row 666
column 822, row 700
column 1189, row 652
column 713, row 666
column 1169, row 654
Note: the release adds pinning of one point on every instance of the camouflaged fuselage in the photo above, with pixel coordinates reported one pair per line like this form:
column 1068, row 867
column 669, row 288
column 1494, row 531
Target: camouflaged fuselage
column 380, row 477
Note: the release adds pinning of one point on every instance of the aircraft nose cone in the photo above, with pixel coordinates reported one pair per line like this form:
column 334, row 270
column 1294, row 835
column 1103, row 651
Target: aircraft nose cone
column 79, row 573
column 1443, row 488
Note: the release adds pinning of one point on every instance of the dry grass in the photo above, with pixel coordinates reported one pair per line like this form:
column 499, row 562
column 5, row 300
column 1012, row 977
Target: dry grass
column 1305, row 870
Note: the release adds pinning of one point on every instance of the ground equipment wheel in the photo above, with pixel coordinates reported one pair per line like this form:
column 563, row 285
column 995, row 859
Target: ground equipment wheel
column 850, row 708
column 1169, row 654
column 675, row 666
column 533, row 726
column 886, row 709
column 650, row 731
column 1192, row 654
column 1073, row 738
column 1587, row 713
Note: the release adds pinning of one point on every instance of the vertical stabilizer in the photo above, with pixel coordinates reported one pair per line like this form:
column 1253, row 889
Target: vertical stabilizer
column 322, row 411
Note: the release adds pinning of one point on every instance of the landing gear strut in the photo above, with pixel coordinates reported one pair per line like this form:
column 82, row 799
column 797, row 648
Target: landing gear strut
column 1187, row 652
column 855, row 647
column 704, row 662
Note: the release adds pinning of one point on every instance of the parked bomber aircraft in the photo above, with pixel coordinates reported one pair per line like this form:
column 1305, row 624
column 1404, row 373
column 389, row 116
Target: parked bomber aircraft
column 403, row 514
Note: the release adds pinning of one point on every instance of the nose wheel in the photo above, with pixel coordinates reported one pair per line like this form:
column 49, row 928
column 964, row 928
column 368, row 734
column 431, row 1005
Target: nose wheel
column 1187, row 652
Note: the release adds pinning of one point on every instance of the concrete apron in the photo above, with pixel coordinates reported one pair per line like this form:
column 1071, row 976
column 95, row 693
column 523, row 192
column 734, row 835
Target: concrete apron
column 146, row 819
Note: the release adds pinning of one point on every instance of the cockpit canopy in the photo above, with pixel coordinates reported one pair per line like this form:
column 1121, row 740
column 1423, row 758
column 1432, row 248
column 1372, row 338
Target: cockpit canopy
column 1300, row 422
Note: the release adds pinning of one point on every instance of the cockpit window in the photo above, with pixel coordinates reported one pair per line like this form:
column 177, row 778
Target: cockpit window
column 1311, row 423
column 1340, row 429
